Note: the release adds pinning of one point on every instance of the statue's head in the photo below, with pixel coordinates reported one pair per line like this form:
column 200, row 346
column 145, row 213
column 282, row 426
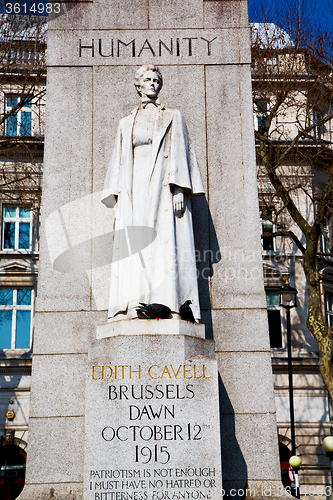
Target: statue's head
column 148, row 81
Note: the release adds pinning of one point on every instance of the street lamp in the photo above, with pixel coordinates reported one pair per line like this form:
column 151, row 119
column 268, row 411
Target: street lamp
column 295, row 462
column 288, row 301
column 287, row 294
column 328, row 448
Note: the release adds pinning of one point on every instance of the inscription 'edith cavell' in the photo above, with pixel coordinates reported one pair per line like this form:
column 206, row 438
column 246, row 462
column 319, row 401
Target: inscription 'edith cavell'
column 120, row 372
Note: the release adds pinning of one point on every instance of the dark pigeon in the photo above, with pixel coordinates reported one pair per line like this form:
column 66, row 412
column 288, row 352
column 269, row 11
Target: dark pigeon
column 186, row 312
column 154, row 311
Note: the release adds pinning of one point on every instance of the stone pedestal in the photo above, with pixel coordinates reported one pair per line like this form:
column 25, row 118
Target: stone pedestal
column 152, row 428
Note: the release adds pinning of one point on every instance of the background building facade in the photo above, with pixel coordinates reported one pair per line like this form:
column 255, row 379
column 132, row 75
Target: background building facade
column 293, row 119
column 22, row 100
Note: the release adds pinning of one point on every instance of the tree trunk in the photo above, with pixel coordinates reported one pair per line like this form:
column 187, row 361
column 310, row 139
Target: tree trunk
column 315, row 323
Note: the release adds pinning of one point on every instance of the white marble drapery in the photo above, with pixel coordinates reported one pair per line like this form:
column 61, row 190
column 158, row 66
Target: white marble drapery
column 165, row 272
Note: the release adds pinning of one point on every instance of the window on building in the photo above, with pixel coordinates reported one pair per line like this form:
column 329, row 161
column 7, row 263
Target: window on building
column 267, row 228
column 329, row 309
column 270, row 63
column 274, row 318
column 324, row 237
column 15, row 318
column 18, row 123
column 319, row 128
column 16, row 228
column 260, row 114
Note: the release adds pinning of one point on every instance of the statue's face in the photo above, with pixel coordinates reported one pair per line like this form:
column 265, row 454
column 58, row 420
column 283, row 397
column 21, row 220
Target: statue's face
column 149, row 84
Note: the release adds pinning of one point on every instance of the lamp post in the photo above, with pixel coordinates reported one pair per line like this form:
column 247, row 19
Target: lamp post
column 328, row 448
column 295, row 462
column 288, row 301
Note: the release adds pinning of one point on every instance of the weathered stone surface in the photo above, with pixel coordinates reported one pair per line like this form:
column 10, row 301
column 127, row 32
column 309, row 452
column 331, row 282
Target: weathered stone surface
column 77, row 329
column 67, row 178
column 244, row 448
column 237, row 281
column 194, row 13
column 68, row 491
column 101, row 15
column 250, row 392
column 152, row 420
column 164, row 14
column 150, row 327
column 229, row 13
column 65, row 375
column 57, row 454
column 240, row 330
column 188, row 346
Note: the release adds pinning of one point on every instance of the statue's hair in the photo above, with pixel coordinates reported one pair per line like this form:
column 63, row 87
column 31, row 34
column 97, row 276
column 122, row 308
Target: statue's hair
column 142, row 70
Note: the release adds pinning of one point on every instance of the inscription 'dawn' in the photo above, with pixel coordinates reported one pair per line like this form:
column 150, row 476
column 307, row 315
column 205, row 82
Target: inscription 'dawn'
column 185, row 46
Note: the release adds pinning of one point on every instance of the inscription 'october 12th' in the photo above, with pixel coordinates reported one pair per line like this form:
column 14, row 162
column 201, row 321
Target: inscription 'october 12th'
column 176, row 47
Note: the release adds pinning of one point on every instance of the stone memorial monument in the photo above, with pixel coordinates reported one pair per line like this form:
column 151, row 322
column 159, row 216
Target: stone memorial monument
column 125, row 406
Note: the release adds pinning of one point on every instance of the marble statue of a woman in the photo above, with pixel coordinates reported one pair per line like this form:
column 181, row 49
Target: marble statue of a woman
column 152, row 175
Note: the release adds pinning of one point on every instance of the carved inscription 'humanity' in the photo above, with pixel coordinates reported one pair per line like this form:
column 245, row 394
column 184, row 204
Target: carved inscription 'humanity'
column 110, row 48
column 152, row 431
column 175, row 46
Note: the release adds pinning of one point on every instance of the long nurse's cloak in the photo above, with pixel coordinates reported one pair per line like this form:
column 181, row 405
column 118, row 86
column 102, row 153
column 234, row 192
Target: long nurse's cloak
column 165, row 270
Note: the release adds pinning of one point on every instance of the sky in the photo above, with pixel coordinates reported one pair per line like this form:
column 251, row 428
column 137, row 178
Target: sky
column 319, row 13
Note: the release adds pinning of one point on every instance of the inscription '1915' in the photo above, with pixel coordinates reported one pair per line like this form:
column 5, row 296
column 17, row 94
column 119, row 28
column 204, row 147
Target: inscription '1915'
column 145, row 454
column 186, row 46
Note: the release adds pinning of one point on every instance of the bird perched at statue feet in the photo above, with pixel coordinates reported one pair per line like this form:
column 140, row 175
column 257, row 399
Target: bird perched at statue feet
column 186, row 312
column 154, row 311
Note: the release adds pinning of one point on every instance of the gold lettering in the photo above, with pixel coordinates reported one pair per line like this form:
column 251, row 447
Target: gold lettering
column 186, row 368
column 176, row 374
column 135, row 371
column 103, row 372
column 166, row 371
column 94, row 372
column 195, row 372
column 123, row 370
column 150, row 375
column 204, row 372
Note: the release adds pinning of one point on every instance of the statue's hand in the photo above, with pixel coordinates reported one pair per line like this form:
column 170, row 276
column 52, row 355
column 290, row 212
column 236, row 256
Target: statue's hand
column 110, row 201
column 178, row 201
